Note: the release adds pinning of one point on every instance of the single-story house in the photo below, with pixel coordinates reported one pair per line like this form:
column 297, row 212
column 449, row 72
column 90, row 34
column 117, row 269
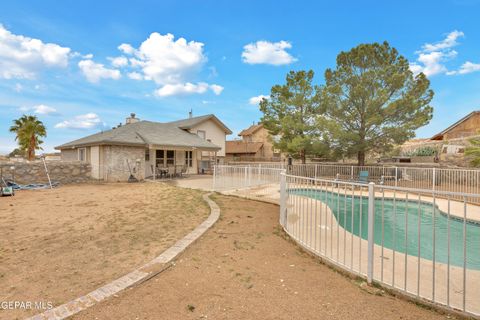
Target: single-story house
column 144, row 147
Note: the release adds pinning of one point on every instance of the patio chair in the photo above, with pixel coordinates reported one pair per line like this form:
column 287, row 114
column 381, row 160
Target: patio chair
column 161, row 171
column 183, row 171
column 363, row 177
column 178, row 170
column 171, row 172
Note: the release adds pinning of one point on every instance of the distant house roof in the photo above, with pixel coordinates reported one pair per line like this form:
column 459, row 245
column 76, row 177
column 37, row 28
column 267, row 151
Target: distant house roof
column 439, row 136
column 242, row 147
column 250, row 130
column 145, row 133
column 192, row 122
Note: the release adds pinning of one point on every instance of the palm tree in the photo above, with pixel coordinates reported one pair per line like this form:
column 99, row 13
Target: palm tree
column 29, row 130
column 474, row 151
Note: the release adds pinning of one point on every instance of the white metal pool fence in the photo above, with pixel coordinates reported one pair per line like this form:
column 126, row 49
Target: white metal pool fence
column 423, row 243
column 430, row 178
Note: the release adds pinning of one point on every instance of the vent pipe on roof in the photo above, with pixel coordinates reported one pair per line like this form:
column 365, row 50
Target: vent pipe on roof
column 190, row 114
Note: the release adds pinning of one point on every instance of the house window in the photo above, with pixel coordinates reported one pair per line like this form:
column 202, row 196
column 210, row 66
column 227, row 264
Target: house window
column 147, row 155
column 82, row 154
column 160, row 158
column 188, row 158
column 170, row 157
column 202, row 134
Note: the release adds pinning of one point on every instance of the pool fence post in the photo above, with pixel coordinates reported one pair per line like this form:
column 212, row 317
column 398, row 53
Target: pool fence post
column 245, row 178
column 371, row 221
column 214, row 177
column 283, row 198
column 396, row 176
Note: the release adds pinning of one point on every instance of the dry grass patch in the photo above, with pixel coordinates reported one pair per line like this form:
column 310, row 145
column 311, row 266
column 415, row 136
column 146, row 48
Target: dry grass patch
column 58, row 244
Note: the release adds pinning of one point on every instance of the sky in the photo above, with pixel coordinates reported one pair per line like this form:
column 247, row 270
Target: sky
column 84, row 66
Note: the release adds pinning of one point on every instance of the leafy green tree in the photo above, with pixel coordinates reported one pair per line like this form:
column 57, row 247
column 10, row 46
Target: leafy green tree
column 29, row 130
column 289, row 114
column 372, row 101
column 473, row 151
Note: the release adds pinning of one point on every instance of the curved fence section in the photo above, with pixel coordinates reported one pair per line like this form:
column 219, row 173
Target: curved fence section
column 424, row 243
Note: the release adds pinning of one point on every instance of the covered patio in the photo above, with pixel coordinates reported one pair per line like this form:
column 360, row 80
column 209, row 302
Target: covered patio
column 170, row 162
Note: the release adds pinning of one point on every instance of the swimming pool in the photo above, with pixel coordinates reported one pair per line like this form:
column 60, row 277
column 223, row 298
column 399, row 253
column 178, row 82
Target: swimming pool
column 401, row 217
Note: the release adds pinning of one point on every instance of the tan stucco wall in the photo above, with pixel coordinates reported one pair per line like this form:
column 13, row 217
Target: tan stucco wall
column 262, row 135
column 69, row 155
column 465, row 129
column 214, row 133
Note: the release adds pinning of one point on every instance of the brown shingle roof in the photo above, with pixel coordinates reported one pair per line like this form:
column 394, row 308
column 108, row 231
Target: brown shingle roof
column 144, row 133
column 250, row 130
column 242, row 147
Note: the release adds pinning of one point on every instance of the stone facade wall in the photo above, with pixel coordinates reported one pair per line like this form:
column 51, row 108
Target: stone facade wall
column 34, row 172
column 116, row 166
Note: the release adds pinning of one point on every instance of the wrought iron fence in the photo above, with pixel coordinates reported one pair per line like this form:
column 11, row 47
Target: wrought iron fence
column 439, row 179
column 424, row 243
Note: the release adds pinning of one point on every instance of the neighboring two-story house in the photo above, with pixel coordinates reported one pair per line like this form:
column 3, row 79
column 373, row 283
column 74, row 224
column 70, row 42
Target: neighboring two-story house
column 256, row 145
column 143, row 148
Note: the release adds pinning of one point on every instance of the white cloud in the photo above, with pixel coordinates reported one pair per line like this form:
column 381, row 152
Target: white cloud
column 170, row 63
column 255, row 101
column 433, row 56
column 43, row 109
column 23, row 57
column 135, row 76
column 432, row 63
column 467, row 67
column 166, row 60
column 119, row 61
column 40, row 109
column 94, row 72
column 84, row 121
column 126, row 48
column 450, row 41
column 216, row 89
column 18, row 87
column 264, row 52
column 187, row 89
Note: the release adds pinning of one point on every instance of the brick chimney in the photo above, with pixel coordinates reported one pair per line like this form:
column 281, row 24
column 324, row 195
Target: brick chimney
column 131, row 119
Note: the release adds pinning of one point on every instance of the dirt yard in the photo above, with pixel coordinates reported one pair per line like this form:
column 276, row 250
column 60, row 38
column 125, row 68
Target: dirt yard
column 56, row 245
column 244, row 268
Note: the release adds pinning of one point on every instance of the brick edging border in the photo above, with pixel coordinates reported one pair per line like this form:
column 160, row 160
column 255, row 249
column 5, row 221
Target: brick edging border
column 135, row 277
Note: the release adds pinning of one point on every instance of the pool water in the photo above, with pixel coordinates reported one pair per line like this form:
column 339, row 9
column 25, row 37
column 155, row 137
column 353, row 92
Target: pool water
column 401, row 217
